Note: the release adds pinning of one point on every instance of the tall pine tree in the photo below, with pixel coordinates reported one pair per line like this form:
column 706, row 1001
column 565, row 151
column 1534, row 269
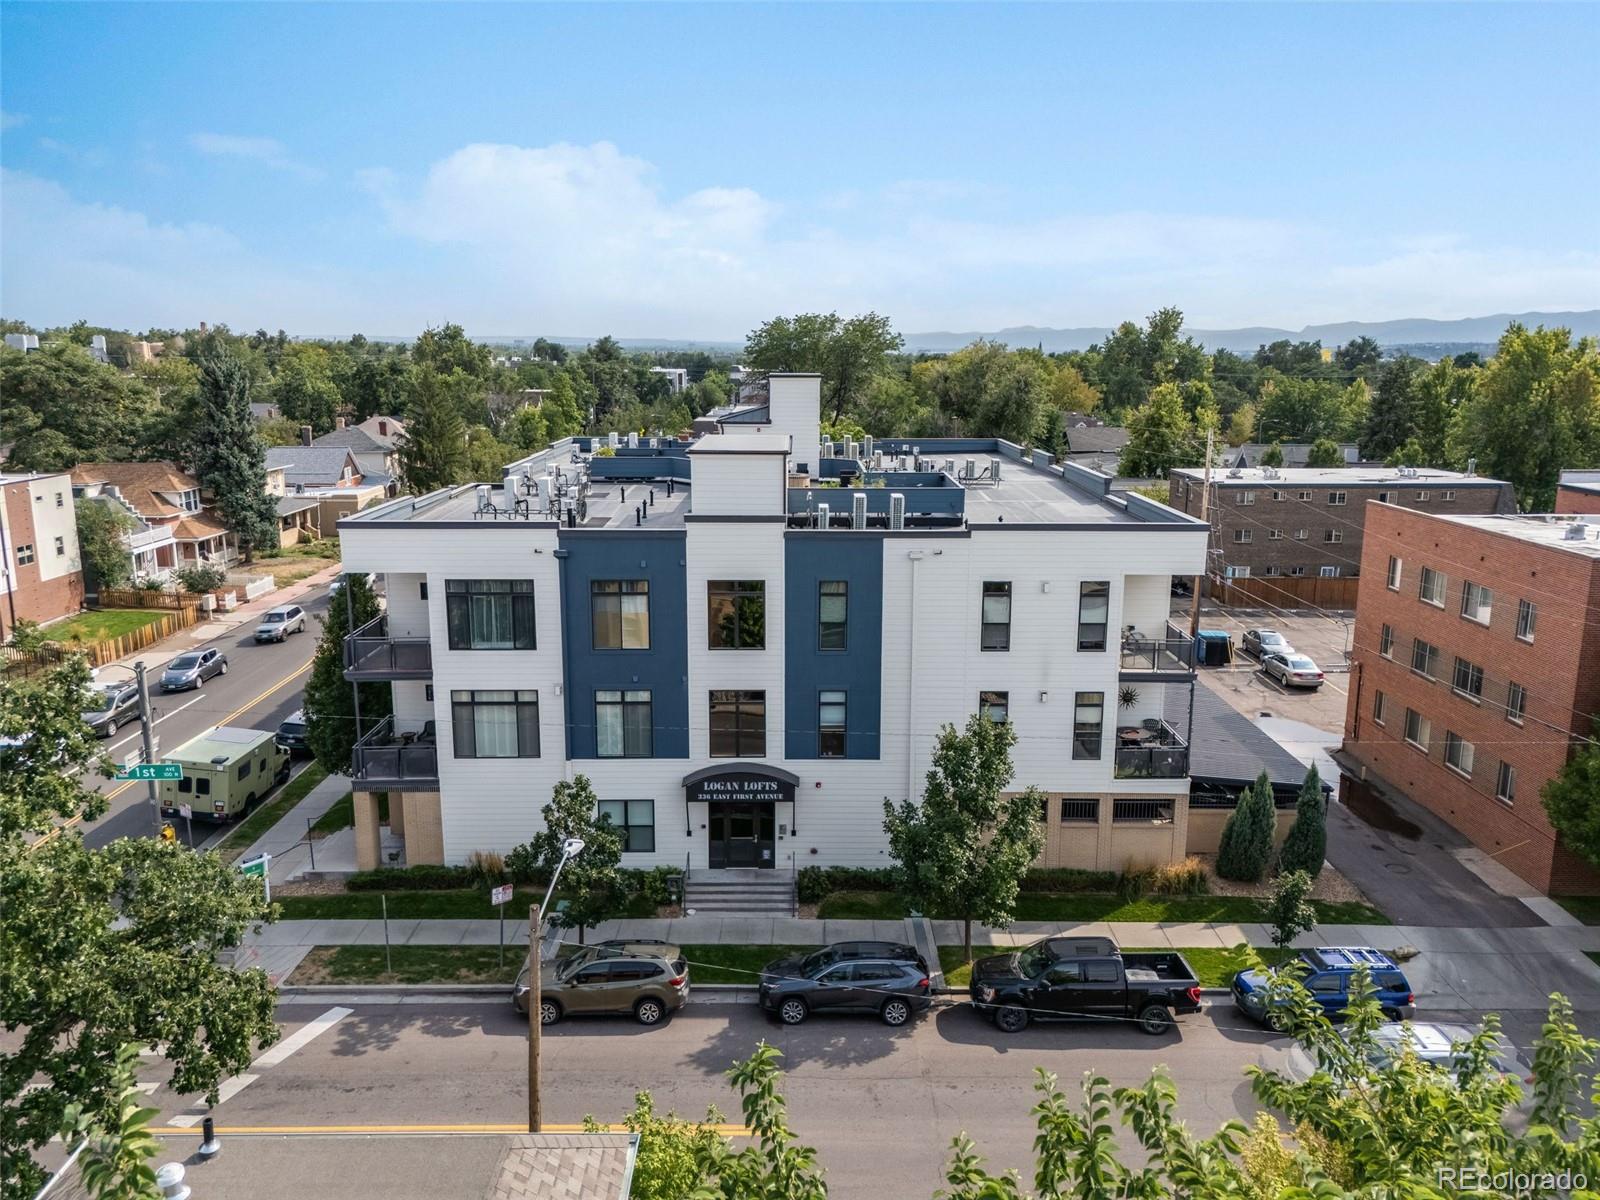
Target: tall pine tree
column 1307, row 844
column 433, row 452
column 1246, row 845
column 229, row 459
column 329, row 704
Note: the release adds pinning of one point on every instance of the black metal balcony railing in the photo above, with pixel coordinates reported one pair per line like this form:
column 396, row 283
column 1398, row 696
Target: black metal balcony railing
column 1157, row 654
column 371, row 654
column 1153, row 750
column 390, row 761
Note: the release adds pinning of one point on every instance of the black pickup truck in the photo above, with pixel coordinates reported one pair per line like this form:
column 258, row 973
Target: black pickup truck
column 1066, row 978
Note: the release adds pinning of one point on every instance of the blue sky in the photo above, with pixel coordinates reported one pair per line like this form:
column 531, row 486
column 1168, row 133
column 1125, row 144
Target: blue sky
column 689, row 171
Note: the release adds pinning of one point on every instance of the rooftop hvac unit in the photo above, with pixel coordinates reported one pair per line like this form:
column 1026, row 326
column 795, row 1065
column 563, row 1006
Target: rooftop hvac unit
column 858, row 510
column 900, row 463
column 483, row 496
column 1472, row 466
column 849, row 447
column 897, row 510
column 877, row 460
column 822, row 516
column 827, row 448
column 511, row 493
column 972, row 469
column 1576, row 532
column 994, row 470
column 866, row 446
column 611, row 440
column 1235, row 473
column 633, row 441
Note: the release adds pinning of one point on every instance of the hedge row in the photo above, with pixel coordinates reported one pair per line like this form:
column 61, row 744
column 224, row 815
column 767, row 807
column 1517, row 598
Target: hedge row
column 649, row 883
column 816, row 884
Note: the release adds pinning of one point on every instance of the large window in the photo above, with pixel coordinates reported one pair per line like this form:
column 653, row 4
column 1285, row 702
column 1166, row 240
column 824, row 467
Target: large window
column 1431, row 589
column 736, row 614
column 1527, row 618
column 1336, row 498
column 1244, row 535
column 1516, row 702
column 622, row 727
column 1458, row 752
column 832, row 722
column 1379, row 705
column 1394, row 573
column 738, row 724
column 1468, row 679
column 1076, row 811
column 1088, row 723
column 1477, row 602
column 24, row 554
column 996, row 616
column 1505, row 783
column 1418, row 730
column 1094, row 611
column 489, row 614
column 495, row 724
column 637, row 821
column 619, row 614
column 1425, row 658
column 995, row 705
column 1386, row 642
column 833, row 609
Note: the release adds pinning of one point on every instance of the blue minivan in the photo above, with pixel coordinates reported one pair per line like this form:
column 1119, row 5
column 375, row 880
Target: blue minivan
column 1326, row 973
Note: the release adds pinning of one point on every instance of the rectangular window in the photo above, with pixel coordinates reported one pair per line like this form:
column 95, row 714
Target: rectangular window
column 1094, row 611
column 622, row 725
column 1418, row 729
column 1458, row 753
column 1516, row 702
column 619, row 614
column 1080, row 812
column 1527, row 618
column 1394, row 573
column 1505, row 783
column 1297, row 571
column 1477, row 602
column 833, row 609
column 1386, row 642
column 1088, row 723
column 1431, row 589
column 1422, row 497
column 1237, row 572
column 1425, row 658
column 1447, row 494
column 995, row 705
column 736, row 614
column 1301, row 535
column 61, row 547
column 244, row 769
column 495, row 724
column 24, row 554
column 1272, row 569
column 996, row 616
column 1336, row 497
column 1328, row 572
column 1274, row 535
column 489, row 614
column 1143, row 812
column 1332, row 535
column 1244, row 535
column 832, row 722
column 60, row 500
column 1468, row 679
column 422, row 589
column 738, row 724
column 1379, row 702
column 636, row 819
column 1247, row 497
column 1303, row 494
column 1280, row 495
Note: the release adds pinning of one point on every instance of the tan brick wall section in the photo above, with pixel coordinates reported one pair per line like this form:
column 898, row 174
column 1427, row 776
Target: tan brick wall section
column 424, row 828
column 1110, row 846
column 365, row 807
column 1205, row 828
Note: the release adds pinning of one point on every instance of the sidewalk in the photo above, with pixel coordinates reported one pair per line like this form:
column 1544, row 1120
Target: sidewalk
column 286, row 840
column 1481, row 969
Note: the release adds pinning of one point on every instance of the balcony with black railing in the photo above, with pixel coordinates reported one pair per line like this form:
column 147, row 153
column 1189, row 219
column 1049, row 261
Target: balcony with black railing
column 1152, row 750
column 389, row 759
column 371, row 655
column 1148, row 659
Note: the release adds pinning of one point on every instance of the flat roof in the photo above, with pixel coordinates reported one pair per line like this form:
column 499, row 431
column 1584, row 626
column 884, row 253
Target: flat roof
column 1026, row 495
column 1540, row 529
column 224, row 741
column 1353, row 476
column 742, row 443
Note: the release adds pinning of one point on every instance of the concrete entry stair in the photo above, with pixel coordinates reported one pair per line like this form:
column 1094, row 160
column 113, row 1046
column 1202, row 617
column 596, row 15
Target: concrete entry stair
column 741, row 890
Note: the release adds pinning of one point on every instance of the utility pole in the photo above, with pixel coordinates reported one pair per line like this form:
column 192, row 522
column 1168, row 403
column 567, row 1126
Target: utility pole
column 535, row 1110
column 150, row 748
column 1205, row 515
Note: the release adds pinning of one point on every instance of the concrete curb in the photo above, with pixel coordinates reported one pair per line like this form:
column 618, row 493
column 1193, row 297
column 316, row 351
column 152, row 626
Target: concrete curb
column 314, row 991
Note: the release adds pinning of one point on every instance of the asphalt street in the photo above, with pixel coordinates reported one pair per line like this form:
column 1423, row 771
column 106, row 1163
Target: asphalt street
column 880, row 1105
column 263, row 686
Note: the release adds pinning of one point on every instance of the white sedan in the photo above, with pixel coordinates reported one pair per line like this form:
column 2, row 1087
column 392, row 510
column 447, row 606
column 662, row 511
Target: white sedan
column 1292, row 670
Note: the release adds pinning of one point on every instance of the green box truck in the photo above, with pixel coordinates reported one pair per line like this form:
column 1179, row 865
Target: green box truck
column 227, row 771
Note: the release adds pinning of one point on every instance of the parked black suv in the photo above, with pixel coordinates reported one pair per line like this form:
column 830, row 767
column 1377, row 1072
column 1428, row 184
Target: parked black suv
column 291, row 735
column 1063, row 978
column 885, row 978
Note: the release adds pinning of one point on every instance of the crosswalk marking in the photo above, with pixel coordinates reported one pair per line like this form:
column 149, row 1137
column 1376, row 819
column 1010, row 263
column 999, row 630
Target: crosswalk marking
column 297, row 1040
column 229, row 1089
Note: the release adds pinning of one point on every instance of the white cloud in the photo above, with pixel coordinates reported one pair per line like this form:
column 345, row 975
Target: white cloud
column 10, row 120
column 267, row 151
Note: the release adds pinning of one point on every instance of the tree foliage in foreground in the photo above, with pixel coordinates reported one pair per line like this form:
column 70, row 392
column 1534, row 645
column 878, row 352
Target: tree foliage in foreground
column 329, row 704
column 1572, row 799
column 592, row 880
column 104, row 948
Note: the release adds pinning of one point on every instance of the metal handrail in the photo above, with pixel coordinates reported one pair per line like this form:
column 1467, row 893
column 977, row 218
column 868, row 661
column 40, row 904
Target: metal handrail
column 1157, row 654
column 371, row 648
column 1167, row 758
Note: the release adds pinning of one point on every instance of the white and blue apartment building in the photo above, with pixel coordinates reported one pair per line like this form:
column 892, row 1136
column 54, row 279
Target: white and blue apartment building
column 749, row 639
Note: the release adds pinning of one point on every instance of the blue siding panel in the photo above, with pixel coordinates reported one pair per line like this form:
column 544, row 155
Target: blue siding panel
column 663, row 669
column 809, row 558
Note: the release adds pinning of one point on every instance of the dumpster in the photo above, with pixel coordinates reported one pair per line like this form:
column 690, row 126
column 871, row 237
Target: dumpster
column 1214, row 647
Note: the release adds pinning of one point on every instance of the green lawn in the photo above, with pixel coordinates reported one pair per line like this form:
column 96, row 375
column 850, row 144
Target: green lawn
column 241, row 836
column 1212, row 967
column 102, row 625
column 1585, row 908
column 1080, row 907
column 442, row 905
column 343, row 815
column 412, row 964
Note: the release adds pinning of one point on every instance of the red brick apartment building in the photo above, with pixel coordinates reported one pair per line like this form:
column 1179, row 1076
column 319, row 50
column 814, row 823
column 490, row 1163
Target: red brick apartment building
column 1476, row 662
column 41, row 575
column 1579, row 492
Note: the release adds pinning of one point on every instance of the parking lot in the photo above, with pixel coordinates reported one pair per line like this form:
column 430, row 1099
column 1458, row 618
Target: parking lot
column 1323, row 635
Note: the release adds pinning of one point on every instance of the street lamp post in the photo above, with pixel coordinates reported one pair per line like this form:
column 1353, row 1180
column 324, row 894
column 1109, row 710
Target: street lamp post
column 570, row 849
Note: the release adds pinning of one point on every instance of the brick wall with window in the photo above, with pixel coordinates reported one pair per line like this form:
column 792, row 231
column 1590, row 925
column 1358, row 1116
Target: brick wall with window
column 1513, row 651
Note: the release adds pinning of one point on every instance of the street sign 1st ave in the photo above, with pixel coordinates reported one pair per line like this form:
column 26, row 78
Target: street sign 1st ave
column 152, row 771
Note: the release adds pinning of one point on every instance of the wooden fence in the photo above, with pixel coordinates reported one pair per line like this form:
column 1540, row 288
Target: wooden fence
column 24, row 663
column 139, row 598
column 1284, row 591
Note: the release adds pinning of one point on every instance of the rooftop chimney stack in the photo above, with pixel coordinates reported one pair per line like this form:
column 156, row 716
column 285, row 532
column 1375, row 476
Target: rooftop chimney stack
column 305, row 435
column 338, row 423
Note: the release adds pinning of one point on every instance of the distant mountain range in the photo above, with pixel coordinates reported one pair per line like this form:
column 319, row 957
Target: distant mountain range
column 1411, row 331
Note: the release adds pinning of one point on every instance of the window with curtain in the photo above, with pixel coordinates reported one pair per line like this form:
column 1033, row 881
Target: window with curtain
column 995, row 705
column 736, row 614
column 832, row 723
column 619, row 614
column 637, row 821
column 738, row 724
column 996, row 616
column 1088, row 723
column 1094, row 610
column 833, row 606
column 489, row 614
column 622, row 726
column 495, row 724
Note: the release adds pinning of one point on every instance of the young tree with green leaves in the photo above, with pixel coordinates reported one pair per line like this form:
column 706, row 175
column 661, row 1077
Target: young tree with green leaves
column 1325, row 452
column 433, row 450
column 772, row 1165
column 1572, row 799
column 303, row 387
column 1289, row 911
column 672, row 1152
column 100, row 547
column 1160, row 436
column 329, row 704
column 848, row 352
column 103, row 948
column 114, row 1148
column 229, row 459
column 592, row 881
column 1245, row 849
column 964, row 850
column 1272, row 456
column 1306, row 847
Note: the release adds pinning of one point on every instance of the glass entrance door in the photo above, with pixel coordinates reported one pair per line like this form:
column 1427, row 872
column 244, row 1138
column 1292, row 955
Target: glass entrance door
column 741, row 835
